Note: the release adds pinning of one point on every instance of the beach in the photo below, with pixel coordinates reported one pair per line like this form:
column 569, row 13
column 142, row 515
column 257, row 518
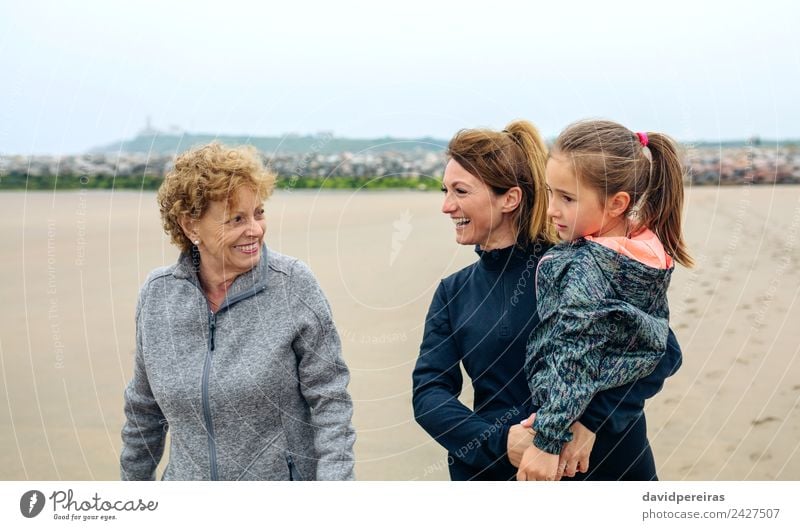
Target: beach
column 74, row 261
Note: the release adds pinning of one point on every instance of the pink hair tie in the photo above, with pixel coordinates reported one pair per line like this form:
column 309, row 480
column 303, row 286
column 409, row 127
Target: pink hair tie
column 642, row 138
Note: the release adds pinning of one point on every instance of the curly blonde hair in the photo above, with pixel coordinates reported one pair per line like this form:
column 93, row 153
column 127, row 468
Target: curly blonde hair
column 202, row 175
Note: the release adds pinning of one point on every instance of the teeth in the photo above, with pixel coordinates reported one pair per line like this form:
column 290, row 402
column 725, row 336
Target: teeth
column 460, row 221
column 251, row 246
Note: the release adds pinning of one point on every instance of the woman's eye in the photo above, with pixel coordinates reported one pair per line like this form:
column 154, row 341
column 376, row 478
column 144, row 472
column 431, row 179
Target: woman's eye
column 568, row 199
column 237, row 219
column 443, row 190
column 461, row 192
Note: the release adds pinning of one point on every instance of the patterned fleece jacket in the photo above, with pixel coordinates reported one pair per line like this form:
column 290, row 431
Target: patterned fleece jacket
column 604, row 323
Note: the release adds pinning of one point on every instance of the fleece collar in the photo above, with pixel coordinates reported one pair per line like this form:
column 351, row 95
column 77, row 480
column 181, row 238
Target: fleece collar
column 510, row 257
column 251, row 281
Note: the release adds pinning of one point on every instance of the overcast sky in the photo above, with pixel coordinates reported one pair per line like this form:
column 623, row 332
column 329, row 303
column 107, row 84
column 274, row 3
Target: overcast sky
column 78, row 74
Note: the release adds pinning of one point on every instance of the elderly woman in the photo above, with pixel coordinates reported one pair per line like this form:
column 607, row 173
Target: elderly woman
column 236, row 351
column 481, row 317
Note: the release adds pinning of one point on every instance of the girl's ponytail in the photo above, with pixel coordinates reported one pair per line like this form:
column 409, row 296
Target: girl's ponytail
column 662, row 206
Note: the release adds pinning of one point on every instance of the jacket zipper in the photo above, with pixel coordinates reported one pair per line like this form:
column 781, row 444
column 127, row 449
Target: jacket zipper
column 212, row 328
column 212, row 446
column 294, row 474
column 504, row 314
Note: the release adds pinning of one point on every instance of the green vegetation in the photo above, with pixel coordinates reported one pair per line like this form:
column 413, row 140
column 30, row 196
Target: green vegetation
column 371, row 183
column 16, row 181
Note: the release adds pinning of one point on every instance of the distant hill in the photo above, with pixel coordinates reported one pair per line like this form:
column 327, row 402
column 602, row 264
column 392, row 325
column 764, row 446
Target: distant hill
column 171, row 143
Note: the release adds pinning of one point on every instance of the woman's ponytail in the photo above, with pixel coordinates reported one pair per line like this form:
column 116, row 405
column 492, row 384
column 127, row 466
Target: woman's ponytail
column 535, row 152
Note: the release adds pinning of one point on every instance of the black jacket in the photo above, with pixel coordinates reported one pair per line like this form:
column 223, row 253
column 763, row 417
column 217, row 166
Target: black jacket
column 481, row 317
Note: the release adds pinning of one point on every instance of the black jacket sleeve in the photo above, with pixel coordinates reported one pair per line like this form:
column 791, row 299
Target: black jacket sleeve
column 437, row 384
column 614, row 409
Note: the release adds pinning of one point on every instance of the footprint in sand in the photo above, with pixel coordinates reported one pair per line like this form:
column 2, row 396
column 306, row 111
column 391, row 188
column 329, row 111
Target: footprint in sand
column 709, row 292
column 744, row 307
column 742, row 360
column 681, row 326
column 796, row 387
column 756, row 457
column 762, row 421
column 714, row 374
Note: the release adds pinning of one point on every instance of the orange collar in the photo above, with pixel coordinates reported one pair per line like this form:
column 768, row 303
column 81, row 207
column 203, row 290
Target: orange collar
column 643, row 246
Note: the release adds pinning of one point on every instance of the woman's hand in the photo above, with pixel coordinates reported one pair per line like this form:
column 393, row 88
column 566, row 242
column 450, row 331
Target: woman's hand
column 519, row 439
column 575, row 454
column 537, row 465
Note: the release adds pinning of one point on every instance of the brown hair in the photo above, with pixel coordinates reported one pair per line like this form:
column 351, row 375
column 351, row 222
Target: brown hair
column 610, row 158
column 206, row 174
column 515, row 156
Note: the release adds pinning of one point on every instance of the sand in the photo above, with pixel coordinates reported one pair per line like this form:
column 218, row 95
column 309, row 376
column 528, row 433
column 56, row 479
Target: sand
column 73, row 263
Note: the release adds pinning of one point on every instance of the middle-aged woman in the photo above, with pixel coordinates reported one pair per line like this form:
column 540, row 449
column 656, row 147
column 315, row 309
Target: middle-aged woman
column 236, row 351
column 481, row 317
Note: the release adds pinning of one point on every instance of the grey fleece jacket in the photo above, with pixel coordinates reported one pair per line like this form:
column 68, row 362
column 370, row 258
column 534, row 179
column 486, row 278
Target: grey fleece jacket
column 255, row 391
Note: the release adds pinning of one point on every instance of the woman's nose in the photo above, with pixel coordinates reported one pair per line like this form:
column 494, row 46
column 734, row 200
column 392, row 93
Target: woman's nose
column 255, row 227
column 448, row 205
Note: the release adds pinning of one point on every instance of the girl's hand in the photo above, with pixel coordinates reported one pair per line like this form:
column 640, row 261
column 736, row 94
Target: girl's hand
column 575, row 454
column 528, row 422
column 519, row 439
column 537, row 465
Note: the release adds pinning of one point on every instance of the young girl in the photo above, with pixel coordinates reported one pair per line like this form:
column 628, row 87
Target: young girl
column 615, row 199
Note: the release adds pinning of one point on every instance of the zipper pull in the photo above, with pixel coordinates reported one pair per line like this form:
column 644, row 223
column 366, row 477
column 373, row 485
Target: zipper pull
column 293, row 475
column 212, row 325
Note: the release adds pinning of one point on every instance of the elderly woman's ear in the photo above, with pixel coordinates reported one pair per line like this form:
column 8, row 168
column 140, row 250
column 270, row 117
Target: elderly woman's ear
column 189, row 228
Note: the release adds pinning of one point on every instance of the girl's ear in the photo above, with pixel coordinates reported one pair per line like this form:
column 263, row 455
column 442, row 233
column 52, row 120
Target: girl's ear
column 512, row 199
column 617, row 204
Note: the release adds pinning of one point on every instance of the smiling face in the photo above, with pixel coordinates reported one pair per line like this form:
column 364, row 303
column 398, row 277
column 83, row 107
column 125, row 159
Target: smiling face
column 481, row 217
column 576, row 209
column 230, row 235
